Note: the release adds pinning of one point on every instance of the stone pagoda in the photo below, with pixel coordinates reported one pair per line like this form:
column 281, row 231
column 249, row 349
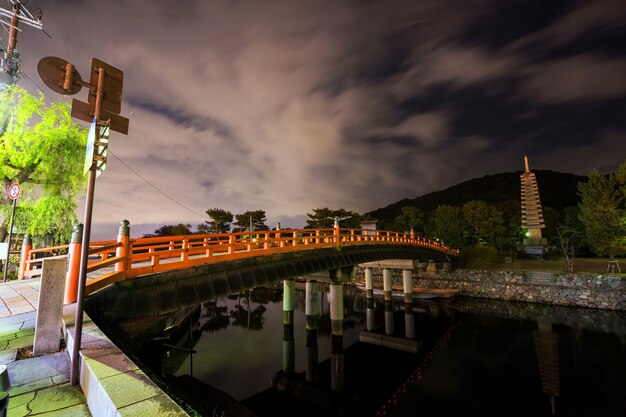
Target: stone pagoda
column 532, row 214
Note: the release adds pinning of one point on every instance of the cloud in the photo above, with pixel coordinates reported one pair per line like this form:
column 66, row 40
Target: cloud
column 584, row 77
column 583, row 18
column 291, row 105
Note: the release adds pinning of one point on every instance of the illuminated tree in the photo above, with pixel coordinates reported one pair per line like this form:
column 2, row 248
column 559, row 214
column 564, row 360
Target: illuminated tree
column 603, row 212
column 43, row 151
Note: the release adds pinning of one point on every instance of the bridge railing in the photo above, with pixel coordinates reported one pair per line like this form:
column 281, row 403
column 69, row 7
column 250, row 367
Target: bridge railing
column 112, row 261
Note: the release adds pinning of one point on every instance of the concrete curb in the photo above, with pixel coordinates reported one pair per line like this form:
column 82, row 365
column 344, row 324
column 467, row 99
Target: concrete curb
column 113, row 385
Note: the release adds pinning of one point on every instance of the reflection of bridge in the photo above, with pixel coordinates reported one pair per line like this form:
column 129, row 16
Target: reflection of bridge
column 292, row 252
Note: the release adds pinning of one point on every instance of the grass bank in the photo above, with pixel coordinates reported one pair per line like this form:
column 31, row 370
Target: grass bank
column 581, row 265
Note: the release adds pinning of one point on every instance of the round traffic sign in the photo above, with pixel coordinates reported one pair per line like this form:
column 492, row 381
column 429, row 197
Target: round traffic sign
column 14, row 191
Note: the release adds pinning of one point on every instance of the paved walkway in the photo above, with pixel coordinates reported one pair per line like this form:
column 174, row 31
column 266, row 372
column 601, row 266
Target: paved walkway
column 112, row 385
column 18, row 297
column 39, row 386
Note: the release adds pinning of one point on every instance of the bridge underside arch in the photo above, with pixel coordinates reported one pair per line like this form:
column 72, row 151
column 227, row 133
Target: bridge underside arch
column 167, row 292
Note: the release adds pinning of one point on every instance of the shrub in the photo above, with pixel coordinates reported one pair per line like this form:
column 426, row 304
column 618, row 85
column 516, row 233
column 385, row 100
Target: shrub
column 478, row 257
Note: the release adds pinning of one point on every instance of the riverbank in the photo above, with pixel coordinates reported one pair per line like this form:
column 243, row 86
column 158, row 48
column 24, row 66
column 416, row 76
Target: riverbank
column 576, row 290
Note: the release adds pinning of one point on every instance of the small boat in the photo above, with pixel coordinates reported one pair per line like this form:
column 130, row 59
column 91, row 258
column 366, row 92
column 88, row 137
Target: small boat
column 423, row 293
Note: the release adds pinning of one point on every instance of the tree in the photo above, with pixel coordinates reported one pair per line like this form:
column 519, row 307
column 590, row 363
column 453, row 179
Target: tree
column 173, row 230
column 324, row 218
column 44, row 151
column 449, row 225
column 411, row 217
column 484, row 222
column 602, row 212
column 221, row 221
column 254, row 218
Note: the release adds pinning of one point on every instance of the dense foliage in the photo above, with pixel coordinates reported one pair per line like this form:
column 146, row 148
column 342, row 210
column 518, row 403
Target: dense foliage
column 220, row 221
column 42, row 150
column 323, row 218
column 603, row 212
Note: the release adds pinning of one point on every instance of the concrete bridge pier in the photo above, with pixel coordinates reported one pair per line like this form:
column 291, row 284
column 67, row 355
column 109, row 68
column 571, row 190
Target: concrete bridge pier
column 336, row 308
column 370, row 315
column 311, row 308
column 312, row 317
column 407, row 284
column 369, row 282
column 388, row 317
column 387, row 283
column 289, row 341
column 409, row 321
column 337, row 363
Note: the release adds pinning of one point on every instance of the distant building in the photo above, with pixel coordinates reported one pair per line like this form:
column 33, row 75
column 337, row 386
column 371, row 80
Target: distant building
column 370, row 226
column 532, row 213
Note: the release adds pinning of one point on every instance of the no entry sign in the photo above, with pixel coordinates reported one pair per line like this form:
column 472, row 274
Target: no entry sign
column 14, row 191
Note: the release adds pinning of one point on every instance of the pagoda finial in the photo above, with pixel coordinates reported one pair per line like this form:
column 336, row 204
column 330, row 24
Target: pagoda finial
column 526, row 163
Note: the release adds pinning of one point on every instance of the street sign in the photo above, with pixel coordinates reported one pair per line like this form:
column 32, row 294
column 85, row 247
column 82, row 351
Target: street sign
column 53, row 72
column 91, row 141
column 82, row 111
column 14, row 191
column 102, row 150
column 112, row 89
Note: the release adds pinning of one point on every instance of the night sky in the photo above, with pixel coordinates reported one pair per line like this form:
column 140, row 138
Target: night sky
column 292, row 105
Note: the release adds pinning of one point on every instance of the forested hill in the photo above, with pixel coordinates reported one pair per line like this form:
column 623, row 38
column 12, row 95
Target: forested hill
column 557, row 190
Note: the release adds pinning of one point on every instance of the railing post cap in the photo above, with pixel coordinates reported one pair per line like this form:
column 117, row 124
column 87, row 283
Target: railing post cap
column 77, row 233
column 27, row 240
column 124, row 228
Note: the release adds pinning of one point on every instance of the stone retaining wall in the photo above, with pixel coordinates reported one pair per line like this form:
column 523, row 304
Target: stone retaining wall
column 593, row 291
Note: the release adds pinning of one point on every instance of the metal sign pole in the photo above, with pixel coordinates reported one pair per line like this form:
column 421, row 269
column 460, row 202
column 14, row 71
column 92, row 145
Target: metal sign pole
column 82, row 280
column 6, row 262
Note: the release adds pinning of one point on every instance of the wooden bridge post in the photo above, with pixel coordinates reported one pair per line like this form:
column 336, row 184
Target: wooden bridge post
column 27, row 246
column 123, row 237
column 73, row 265
column 336, row 232
column 231, row 244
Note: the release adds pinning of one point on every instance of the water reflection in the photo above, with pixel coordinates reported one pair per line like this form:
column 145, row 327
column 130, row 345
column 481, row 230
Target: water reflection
column 320, row 348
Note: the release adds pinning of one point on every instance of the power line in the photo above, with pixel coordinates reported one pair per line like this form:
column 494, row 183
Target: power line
column 155, row 187
column 124, row 163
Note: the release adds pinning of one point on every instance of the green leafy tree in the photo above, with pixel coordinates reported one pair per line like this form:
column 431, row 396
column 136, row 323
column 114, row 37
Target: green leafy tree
column 173, row 230
column 220, row 221
column 485, row 224
column 44, row 151
column 602, row 212
column 449, row 225
column 323, row 218
column 256, row 218
column 411, row 217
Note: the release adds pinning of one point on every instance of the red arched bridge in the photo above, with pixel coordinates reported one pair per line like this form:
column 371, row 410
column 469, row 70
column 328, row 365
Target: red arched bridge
column 126, row 258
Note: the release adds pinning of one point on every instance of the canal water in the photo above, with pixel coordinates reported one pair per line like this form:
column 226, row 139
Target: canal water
column 430, row 357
